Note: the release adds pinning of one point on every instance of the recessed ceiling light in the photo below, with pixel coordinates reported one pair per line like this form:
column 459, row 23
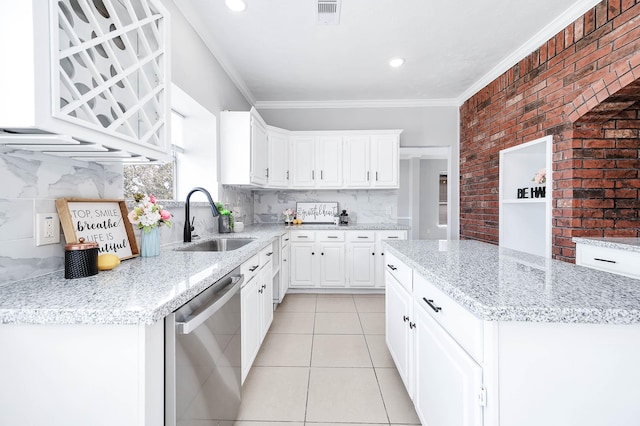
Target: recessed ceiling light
column 236, row 5
column 396, row 62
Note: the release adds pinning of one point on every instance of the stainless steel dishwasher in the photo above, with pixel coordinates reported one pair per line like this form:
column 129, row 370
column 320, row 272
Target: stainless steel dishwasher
column 202, row 357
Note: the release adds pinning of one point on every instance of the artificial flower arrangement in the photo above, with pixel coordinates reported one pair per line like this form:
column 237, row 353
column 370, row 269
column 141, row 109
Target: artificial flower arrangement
column 147, row 213
column 540, row 177
column 224, row 212
column 288, row 215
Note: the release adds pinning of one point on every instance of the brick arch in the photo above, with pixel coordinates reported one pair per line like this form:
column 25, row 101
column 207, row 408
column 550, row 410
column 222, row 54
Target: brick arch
column 602, row 164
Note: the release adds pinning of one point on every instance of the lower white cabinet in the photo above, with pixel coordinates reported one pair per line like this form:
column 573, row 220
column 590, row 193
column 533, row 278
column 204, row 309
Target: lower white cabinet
column 339, row 259
column 256, row 298
column 616, row 261
column 448, row 382
column 400, row 330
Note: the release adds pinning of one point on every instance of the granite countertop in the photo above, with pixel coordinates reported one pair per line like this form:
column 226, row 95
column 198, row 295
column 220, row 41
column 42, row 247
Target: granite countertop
column 139, row 290
column 618, row 243
column 350, row 227
column 498, row 284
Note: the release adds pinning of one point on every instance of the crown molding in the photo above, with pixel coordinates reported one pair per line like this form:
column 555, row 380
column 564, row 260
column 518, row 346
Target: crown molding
column 373, row 103
column 545, row 34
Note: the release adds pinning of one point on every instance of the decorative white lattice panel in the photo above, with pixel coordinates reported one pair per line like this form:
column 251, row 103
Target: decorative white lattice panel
column 109, row 67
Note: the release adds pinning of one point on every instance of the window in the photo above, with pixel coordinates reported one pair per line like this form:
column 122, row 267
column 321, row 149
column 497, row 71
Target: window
column 442, row 199
column 193, row 138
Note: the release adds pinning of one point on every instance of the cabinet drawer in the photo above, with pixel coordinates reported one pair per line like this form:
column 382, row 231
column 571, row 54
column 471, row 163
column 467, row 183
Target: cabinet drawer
column 302, row 236
column 361, row 236
column 330, row 236
column 250, row 268
column 391, row 235
column 284, row 240
column 610, row 260
column 463, row 326
column 399, row 271
column 266, row 254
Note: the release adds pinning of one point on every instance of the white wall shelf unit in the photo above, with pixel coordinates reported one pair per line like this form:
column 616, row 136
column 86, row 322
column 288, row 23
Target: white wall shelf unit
column 525, row 206
column 94, row 70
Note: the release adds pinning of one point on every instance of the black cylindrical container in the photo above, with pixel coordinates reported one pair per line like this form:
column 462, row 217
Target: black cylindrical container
column 80, row 259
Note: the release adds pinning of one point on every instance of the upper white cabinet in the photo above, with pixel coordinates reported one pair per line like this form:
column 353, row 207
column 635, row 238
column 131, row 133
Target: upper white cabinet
column 316, row 161
column 243, row 151
column 278, row 164
column 525, row 197
column 253, row 153
column 371, row 161
column 96, row 71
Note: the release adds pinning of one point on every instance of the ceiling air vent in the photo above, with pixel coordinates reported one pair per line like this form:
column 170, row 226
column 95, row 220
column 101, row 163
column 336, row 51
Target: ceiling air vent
column 328, row 12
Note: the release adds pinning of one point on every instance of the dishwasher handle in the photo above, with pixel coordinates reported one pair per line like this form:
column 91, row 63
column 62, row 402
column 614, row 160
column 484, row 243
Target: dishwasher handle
column 213, row 306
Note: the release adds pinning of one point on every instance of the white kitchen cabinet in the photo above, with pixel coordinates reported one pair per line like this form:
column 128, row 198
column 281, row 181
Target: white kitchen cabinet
column 331, row 263
column 361, row 258
column 278, row 164
column 616, row 261
column 525, row 207
column 250, row 325
column 82, row 374
column 371, row 160
column 328, row 171
column 317, row 259
column 316, row 161
column 97, row 71
column 381, row 237
column 303, row 161
column 448, row 382
column 243, row 148
column 256, row 300
column 399, row 329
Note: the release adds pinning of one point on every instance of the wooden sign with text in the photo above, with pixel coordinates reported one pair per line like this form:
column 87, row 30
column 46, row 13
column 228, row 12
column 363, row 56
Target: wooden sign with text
column 102, row 221
column 533, row 192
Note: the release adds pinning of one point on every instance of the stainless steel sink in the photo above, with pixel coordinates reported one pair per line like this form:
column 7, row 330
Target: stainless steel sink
column 218, row 244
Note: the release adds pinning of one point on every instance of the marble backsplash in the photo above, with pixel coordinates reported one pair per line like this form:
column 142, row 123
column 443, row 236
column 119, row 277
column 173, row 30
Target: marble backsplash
column 30, row 184
column 363, row 206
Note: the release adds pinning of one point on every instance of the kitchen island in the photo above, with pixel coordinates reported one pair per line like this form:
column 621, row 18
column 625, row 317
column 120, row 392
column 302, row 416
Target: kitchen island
column 500, row 337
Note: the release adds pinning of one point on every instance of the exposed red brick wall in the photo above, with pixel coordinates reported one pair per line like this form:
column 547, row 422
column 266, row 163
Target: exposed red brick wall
column 581, row 87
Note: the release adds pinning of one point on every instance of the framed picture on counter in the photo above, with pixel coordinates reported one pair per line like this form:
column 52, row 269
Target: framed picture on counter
column 316, row 212
column 102, row 221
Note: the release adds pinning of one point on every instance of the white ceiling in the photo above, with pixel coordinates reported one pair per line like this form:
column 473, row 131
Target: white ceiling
column 279, row 57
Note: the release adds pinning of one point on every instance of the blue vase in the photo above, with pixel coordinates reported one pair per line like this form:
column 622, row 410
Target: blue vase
column 150, row 242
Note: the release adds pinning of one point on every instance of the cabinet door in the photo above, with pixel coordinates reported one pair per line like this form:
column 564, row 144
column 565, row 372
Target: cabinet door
column 284, row 271
column 303, row 260
column 399, row 329
column 250, row 323
column 357, row 162
column 266, row 300
column 329, row 161
column 303, row 162
column 278, row 168
column 332, row 262
column 448, row 381
column 259, row 159
column 385, row 162
column 361, row 262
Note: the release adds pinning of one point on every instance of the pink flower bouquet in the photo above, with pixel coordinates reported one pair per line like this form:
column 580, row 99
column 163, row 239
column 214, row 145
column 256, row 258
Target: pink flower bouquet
column 147, row 213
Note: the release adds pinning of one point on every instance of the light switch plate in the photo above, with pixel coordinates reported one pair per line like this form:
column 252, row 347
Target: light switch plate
column 47, row 228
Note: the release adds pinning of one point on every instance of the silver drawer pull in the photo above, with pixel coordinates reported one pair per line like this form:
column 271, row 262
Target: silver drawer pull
column 362, row 237
column 332, row 236
column 391, row 238
column 393, row 268
column 253, row 268
column 302, row 236
column 431, row 305
column 604, row 260
column 270, row 253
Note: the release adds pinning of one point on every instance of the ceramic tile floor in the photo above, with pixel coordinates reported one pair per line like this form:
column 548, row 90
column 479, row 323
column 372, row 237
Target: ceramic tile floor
column 325, row 362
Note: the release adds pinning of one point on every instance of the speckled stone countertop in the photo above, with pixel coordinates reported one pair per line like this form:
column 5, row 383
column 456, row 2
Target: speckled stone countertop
column 618, row 243
column 139, row 290
column 350, row 227
column 498, row 284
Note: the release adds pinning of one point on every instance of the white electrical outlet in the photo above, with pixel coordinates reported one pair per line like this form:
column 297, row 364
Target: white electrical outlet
column 47, row 228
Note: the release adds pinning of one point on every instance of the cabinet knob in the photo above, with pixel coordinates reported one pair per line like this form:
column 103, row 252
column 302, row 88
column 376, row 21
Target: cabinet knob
column 313, row 253
column 412, row 325
column 322, row 254
column 373, row 254
column 405, row 318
